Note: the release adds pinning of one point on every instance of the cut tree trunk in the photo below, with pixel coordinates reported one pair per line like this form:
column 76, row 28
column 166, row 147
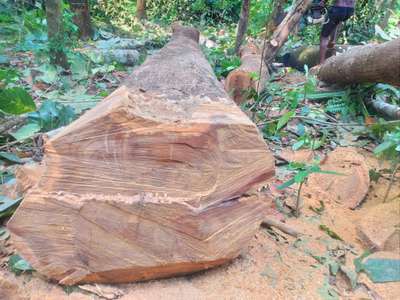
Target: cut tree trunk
column 152, row 182
column 82, row 18
column 281, row 34
column 241, row 81
column 141, row 9
column 55, row 32
column 364, row 64
column 242, row 26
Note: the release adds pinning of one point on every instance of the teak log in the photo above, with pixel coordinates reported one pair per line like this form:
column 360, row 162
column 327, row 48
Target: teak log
column 151, row 182
column 364, row 64
column 240, row 81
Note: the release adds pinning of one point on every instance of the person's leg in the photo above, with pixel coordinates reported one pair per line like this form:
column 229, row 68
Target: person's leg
column 323, row 48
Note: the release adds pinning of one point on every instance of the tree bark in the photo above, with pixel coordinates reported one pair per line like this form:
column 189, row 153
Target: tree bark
column 276, row 18
column 240, row 82
column 242, row 26
column 150, row 183
column 55, row 32
column 82, row 18
column 364, row 64
column 387, row 7
column 141, row 9
column 281, row 33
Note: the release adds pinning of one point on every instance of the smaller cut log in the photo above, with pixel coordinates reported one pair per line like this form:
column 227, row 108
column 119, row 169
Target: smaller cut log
column 379, row 229
column 242, row 80
column 364, row 64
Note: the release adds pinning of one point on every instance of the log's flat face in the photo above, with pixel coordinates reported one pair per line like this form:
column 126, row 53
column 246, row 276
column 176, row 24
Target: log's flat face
column 149, row 183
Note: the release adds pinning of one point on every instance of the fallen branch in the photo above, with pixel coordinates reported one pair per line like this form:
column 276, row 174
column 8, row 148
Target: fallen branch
column 385, row 109
column 281, row 226
column 10, row 122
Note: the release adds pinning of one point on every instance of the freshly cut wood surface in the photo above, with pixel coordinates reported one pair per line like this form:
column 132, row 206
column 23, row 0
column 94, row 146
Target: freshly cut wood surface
column 364, row 64
column 151, row 182
column 241, row 80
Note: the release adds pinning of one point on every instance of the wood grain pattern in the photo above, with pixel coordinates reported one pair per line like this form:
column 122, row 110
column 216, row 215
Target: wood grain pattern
column 150, row 183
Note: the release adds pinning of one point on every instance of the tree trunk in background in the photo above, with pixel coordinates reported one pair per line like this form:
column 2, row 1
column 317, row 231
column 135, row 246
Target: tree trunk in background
column 82, row 18
column 55, row 32
column 387, row 7
column 281, row 33
column 276, row 18
column 141, row 9
column 242, row 26
column 152, row 182
column 364, row 64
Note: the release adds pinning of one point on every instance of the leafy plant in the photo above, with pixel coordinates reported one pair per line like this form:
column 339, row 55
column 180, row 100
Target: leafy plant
column 16, row 101
column 301, row 173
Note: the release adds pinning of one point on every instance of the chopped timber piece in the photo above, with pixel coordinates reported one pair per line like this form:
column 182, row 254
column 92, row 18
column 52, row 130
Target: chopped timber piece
column 242, row 80
column 151, row 182
column 379, row 229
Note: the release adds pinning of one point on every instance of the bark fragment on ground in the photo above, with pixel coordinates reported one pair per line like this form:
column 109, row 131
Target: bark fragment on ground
column 150, row 183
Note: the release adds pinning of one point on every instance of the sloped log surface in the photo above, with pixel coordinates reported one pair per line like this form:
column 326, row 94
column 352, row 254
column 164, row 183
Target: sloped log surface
column 151, row 182
column 241, row 80
column 364, row 64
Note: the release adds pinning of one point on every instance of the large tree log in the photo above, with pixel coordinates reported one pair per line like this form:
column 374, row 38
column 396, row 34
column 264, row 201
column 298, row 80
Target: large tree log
column 151, row 182
column 364, row 64
column 282, row 32
column 240, row 81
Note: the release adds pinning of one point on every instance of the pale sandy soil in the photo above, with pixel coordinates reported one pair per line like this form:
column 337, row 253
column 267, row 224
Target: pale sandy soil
column 273, row 266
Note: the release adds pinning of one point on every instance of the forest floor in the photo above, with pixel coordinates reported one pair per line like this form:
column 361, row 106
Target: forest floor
column 274, row 265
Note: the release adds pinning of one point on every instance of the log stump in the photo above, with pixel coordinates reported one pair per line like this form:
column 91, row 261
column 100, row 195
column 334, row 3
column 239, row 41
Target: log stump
column 242, row 80
column 150, row 183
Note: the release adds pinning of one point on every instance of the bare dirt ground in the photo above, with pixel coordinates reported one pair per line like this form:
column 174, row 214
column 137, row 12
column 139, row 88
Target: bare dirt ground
column 273, row 266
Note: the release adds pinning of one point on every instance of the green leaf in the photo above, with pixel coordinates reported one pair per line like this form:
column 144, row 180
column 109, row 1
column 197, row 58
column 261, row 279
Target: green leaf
column 301, row 176
column 286, row 184
column 382, row 147
column 26, row 131
column 382, row 269
column 10, row 157
column 52, row 115
column 8, row 205
column 330, row 232
column 16, row 101
column 298, row 145
column 284, row 119
column 18, row 265
column 49, row 75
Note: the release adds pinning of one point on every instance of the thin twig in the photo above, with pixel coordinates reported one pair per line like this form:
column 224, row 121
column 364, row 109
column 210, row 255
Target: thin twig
column 396, row 167
column 297, row 211
column 281, row 226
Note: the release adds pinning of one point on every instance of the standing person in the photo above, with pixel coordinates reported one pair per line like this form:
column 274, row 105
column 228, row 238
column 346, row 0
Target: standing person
column 338, row 13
